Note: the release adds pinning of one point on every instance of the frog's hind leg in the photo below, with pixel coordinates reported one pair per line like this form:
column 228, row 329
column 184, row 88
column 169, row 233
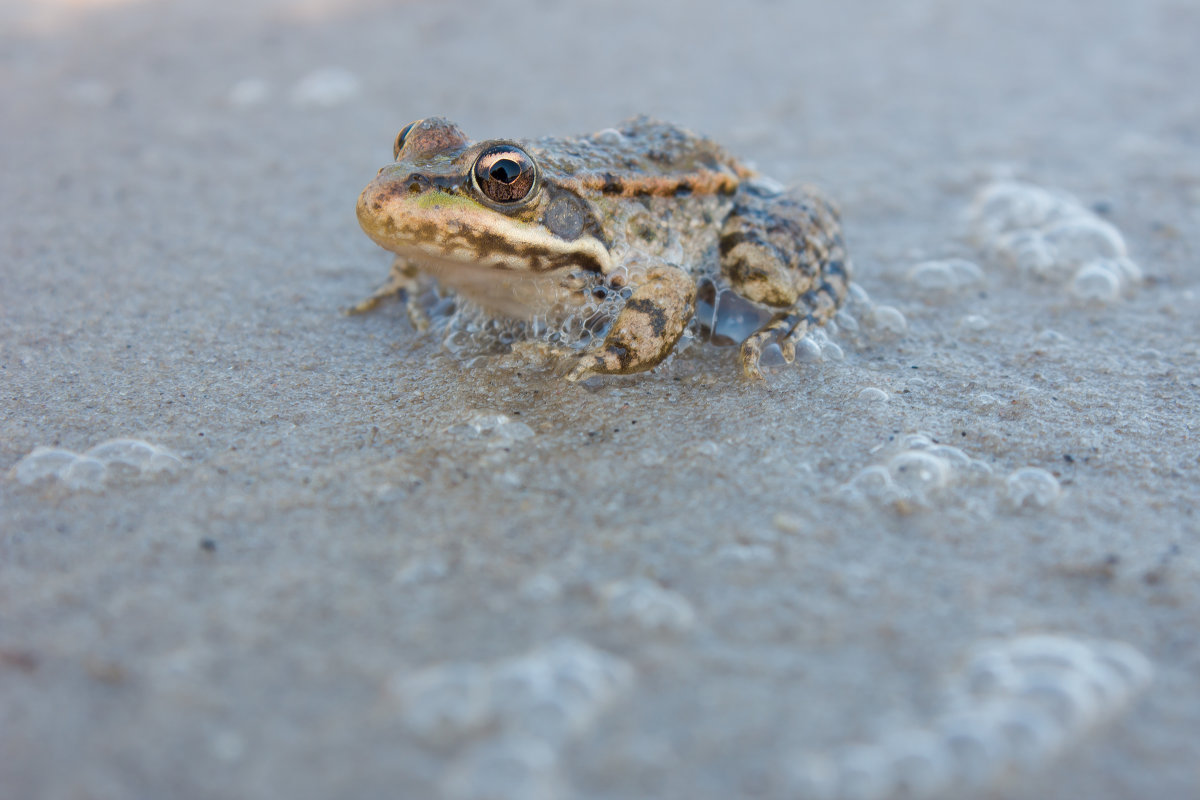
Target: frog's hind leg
column 784, row 249
column 402, row 282
column 647, row 327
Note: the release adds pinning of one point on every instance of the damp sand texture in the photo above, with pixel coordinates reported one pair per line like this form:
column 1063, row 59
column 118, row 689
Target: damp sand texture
column 252, row 547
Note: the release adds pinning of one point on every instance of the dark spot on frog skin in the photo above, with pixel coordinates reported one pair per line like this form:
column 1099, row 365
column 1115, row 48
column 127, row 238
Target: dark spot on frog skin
column 623, row 355
column 658, row 320
column 732, row 240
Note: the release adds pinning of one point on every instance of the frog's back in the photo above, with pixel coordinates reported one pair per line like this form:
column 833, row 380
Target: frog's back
column 642, row 157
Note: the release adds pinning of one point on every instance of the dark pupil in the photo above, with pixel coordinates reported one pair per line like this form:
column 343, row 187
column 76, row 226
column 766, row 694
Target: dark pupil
column 505, row 170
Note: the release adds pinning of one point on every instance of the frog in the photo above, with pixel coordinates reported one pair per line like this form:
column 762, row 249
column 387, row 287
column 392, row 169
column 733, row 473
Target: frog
column 625, row 232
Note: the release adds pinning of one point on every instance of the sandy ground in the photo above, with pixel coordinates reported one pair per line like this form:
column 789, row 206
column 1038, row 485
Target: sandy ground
column 954, row 554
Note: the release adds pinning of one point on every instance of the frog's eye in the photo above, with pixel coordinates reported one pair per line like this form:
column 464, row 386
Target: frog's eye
column 400, row 139
column 505, row 173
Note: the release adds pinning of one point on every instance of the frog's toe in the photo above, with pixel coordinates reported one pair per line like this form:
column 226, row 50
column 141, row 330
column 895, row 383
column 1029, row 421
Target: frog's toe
column 751, row 353
column 364, row 306
column 609, row 360
column 585, row 367
column 788, row 347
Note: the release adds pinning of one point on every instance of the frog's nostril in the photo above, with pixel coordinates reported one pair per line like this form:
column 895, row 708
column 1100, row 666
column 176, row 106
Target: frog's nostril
column 417, row 183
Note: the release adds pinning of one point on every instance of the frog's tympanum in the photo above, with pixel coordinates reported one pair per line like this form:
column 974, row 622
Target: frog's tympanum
column 627, row 232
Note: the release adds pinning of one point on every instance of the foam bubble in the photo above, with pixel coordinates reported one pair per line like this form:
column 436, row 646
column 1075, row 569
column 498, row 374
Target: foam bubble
column 808, row 351
column 609, row 136
column 857, row 298
column 887, row 322
column 873, row 396
column 874, row 482
column 1084, row 237
column 975, row 322
column 846, row 321
column 705, row 448
column 772, row 356
column 43, row 463
column 1032, row 488
column 1096, row 283
column 919, row 473
column 1030, row 253
column 135, row 454
column 831, row 351
column 1051, row 338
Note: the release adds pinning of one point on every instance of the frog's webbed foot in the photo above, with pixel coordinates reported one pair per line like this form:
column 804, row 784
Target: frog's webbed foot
column 647, row 327
column 813, row 308
column 787, row 328
column 401, row 283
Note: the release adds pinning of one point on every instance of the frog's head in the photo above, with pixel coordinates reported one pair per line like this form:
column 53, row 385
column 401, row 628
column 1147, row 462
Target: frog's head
column 453, row 206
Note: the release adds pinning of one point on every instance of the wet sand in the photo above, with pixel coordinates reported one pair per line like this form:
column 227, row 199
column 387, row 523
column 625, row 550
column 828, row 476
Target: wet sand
column 270, row 550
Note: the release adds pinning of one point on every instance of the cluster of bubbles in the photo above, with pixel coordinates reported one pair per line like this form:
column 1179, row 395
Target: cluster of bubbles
column 920, row 472
column 107, row 462
column 469, row 331
column 1016, row 705
column 1052, row 236
column 863, row 320
column 722, row 318
column 527, row 708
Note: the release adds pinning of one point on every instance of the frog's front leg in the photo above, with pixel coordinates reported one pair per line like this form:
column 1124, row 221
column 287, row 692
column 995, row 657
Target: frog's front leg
column 402, row 282
column 647, row 327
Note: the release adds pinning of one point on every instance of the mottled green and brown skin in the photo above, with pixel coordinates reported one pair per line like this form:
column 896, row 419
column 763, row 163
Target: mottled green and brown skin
column 536, row 228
